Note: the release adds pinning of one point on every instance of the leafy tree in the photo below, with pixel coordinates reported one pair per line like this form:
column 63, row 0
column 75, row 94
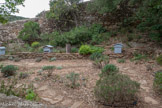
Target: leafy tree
column 7, row 7
column 63, row 13
column 30, row 33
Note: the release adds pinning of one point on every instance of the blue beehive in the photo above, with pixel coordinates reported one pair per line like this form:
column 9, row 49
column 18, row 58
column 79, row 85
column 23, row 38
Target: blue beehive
column 2, row 50
column 48, row 48
column 118, row 48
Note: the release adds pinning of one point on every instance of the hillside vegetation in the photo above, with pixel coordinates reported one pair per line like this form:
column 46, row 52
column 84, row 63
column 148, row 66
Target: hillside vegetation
column 15, row 18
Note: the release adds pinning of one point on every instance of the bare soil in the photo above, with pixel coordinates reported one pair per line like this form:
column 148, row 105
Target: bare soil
column 55, row 90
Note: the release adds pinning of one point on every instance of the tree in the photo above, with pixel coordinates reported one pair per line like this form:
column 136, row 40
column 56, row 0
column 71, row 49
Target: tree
column 7, row 7
column 63, row 12
column 30, row 33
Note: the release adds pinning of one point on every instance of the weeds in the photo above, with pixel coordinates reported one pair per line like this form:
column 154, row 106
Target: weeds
column 158, row 82
column 23, row 75
column 53, row 59
column 49, row 69
column 73, row 77
column 24, row 91
column 138, row 57
column 9, row 70
column 121, row 60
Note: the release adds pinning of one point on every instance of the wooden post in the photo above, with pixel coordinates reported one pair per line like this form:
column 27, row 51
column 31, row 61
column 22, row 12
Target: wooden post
column 68, row 48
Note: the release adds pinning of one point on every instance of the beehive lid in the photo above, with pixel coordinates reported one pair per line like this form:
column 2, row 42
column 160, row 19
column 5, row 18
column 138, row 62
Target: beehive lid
column 49, row 46
column 118, row 45
column 1, row 48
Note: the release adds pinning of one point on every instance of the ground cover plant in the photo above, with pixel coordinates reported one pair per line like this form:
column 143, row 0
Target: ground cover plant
column 159, row 60
column 24, row 91
column 73, row 78
column 9, row 70
column 158, row 82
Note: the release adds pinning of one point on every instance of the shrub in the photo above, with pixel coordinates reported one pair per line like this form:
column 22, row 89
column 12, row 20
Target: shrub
column 35, row 44
column 121, row 60
column 53, row 59
column 74, row 50
column 23, row 75
column 17, row 59
column 116, row 88
column 31, row 95
column 158, row 81
column 59, row 67
column 1, row 66
column 30, row 32
column 86, row 49
column 101, row 61
column 78, row 35
column 159, row 60
column 95, row 49
column 95, row 56
column 109, row 69
column 98, row 35
column 139, row 57
column 8, row 70
column 48, row 67
column 38, row 59
column 97, row 29
column 56, row 39
column 73, row 77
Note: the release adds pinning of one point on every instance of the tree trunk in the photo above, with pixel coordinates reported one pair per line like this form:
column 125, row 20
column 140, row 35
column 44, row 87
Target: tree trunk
column 68, row 48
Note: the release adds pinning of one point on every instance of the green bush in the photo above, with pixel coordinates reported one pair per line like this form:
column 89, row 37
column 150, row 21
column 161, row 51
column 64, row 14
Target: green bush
column 139, row 57
column 86, row 49
column 48, row 67
column 9, row 70
column 30, row 32
column 159, row 60
column 52, row 59
column 95, row 49
column 97, row 29
column 74, row 50
column 109, row 69
column 101, row 61
column 78, row 35
column 31, row 95
column 35, row 44
column 116, row 88
column 121, row 60
column 96, row 55
column 158, row 81
column 56, row 39
column 49, row 70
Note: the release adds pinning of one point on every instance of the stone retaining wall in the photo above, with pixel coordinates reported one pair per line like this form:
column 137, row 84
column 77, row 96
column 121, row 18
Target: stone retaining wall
column 59, row 56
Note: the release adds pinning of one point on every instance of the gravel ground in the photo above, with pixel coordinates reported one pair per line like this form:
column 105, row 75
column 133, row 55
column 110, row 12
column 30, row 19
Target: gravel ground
column 15, row 102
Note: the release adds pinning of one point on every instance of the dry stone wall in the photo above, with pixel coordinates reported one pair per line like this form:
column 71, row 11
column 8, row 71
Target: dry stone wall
column 58, row 56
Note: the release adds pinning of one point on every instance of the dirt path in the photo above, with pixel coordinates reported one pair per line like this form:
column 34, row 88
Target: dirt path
column 54, row 90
